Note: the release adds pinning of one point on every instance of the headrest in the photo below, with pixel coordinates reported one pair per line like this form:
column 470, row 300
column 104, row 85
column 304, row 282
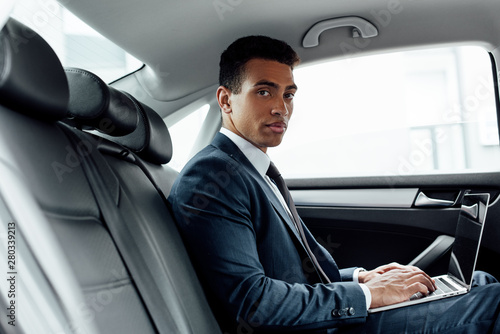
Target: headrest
column 32, row 79
column 93, row 103
column 118, row 116
column 151, row 139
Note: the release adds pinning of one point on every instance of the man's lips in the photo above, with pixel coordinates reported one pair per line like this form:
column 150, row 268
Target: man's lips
column 278, row 127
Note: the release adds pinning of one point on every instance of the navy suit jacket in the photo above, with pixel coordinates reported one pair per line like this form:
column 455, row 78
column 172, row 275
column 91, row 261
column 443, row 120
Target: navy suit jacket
column 247, row 252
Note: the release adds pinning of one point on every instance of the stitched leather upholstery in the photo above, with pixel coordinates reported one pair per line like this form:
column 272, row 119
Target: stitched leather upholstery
column 36, row 88
column 33, row 97
column 119, row 115
column 93, row 103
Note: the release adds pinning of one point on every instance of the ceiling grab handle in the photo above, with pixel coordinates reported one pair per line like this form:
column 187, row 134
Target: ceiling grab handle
column 361, row 27
column 424, row 200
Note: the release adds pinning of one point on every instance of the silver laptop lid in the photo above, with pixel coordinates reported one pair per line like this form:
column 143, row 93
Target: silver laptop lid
column 468, row 237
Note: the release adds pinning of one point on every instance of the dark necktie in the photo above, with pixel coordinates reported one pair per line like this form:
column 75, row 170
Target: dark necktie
column 275, row 175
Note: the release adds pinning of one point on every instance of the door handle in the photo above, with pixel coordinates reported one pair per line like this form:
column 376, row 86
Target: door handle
column 424, row 200
column 472, row 210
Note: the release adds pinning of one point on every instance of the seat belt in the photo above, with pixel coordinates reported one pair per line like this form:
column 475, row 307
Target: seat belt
column 131, row 157
column 123, row 238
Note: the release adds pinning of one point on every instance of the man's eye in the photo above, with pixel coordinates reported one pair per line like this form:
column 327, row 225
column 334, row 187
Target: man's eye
column 263, row 92
column 289, row 95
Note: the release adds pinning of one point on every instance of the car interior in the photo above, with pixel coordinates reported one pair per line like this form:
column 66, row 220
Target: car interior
column 89, row 244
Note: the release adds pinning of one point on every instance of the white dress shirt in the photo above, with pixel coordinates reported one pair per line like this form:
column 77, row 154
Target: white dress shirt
column 258, row 159
column 261, row 162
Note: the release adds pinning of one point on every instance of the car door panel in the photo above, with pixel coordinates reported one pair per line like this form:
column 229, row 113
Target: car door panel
column 372, row 221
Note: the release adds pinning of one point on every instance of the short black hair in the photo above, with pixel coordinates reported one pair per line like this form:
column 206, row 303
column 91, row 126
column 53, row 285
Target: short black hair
column 233, row 59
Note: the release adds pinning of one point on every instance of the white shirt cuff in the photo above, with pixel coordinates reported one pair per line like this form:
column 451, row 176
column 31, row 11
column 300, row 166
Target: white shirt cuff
column 368, row 295
column 355, row 275
column 366, row 291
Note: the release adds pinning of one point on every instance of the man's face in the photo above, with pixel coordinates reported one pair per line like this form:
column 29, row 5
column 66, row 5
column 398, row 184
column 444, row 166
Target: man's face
column 261, row 111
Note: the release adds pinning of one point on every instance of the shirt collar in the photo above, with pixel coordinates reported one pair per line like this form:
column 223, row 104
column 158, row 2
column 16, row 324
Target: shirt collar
column 257, row 157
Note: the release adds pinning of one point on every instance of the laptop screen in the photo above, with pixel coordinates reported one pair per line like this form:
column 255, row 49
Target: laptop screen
column 468, row 237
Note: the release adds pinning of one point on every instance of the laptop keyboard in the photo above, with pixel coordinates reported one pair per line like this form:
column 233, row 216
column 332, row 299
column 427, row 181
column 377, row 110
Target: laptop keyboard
column 443, row 287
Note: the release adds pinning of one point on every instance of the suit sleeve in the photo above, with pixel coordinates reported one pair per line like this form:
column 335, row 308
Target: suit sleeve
column 212, row 211
column 347, row 274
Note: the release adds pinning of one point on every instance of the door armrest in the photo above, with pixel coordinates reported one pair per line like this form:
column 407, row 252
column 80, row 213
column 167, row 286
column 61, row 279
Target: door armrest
column 434, row 252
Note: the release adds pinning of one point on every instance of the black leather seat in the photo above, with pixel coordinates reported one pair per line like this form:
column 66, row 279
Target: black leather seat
column 137, row 160
column 34, row 99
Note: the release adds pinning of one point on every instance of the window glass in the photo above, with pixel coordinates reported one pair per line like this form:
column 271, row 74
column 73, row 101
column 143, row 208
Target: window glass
column 183, row 134
column 416, row 112
column 76, row 44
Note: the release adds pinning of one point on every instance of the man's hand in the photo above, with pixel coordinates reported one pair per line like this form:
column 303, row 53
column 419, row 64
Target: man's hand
column 394, row 283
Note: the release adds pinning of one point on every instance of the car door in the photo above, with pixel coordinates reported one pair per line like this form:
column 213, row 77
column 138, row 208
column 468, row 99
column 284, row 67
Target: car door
column 385, row 150
column 364, row 222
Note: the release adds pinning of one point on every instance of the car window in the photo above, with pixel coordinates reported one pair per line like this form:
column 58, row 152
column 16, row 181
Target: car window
column 183, row 135
column 76, row 44
column 414, row 112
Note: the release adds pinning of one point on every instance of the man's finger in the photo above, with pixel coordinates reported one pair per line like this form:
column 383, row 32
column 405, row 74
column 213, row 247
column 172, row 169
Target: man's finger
column 417, row 295
column 424, row 280
column 417, row 290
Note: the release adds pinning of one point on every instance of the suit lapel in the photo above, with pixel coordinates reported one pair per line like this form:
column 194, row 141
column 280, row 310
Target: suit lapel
column 226, row 145
column 278, row 207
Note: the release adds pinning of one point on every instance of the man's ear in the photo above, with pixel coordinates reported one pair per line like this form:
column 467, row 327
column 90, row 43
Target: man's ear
column 224, row 99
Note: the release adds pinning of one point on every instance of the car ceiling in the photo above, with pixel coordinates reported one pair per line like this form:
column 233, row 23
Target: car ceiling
column 180, row 41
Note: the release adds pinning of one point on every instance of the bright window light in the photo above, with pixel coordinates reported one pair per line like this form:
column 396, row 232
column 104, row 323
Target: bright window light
column 75, row 43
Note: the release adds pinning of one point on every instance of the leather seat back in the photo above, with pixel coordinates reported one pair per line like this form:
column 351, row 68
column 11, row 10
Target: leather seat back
column 34, row 98
column 138, row 160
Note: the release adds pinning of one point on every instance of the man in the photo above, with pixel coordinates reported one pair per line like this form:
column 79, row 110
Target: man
column 261, row 268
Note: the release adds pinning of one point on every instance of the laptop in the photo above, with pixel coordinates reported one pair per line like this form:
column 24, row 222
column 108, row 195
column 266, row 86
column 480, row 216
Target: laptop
column 464, row 253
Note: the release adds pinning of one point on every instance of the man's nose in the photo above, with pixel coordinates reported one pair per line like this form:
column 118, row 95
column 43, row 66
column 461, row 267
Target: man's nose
column 280, row 108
